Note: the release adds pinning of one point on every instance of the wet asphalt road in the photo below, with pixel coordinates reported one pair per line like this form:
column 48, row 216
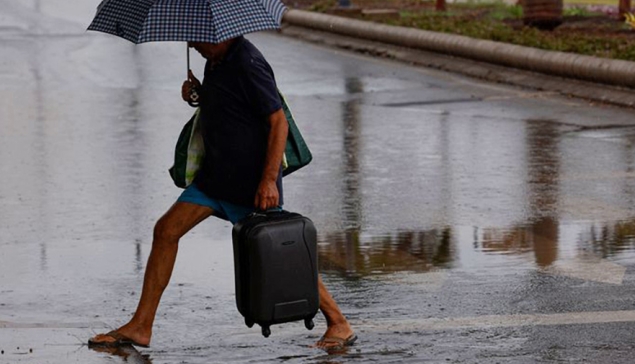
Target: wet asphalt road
column 459, row 221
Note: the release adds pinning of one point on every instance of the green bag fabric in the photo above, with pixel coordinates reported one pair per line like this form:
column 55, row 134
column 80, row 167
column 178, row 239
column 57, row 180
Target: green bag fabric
column 296, row 152
column 190, row 151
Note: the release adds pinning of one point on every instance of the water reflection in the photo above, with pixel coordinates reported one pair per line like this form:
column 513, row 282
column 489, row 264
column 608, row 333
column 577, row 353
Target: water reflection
column 543, row 167
column 130, row 140
column 539, row 237
column 607, row 240
column 131, row 147
column 350, row 253
column 541, row 232
column 543, row 178
column 414, row 251
column 352, row 205
column 628, row 158
column 128, row 353
column 42, row 149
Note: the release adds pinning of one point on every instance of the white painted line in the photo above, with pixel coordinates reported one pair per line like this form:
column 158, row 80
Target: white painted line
column 571, row 318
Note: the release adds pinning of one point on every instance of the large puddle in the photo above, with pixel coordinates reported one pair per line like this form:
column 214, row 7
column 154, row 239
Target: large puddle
column 435, row 198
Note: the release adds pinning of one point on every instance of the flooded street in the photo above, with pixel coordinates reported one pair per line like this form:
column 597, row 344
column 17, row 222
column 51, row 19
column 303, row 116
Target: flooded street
column 459, row 221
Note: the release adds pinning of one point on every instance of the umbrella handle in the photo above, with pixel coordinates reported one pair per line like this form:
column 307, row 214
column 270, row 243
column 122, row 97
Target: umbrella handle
column 193, row 98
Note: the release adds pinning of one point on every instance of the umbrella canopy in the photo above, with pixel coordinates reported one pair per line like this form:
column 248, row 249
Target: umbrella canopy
column 212, row 21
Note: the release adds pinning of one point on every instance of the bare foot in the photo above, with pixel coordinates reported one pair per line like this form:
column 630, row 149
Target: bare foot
column 336, row 337
column 125, row 335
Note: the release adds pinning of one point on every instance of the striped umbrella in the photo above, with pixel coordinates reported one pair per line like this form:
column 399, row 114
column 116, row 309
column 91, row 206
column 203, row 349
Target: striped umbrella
column 212, row 21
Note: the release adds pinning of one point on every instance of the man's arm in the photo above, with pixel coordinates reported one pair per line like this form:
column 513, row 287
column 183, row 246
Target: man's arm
column 267, row 195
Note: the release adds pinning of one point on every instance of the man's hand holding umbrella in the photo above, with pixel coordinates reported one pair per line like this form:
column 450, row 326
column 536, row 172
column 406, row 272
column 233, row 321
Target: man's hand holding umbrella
column 190, row 89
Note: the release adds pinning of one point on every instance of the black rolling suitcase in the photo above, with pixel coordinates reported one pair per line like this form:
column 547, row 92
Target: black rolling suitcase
column 275, row 266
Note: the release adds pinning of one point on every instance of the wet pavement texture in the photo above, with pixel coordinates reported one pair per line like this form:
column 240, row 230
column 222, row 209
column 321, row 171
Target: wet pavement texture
column 459, row 221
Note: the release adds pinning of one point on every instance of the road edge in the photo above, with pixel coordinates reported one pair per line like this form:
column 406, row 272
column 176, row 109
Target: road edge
column 310, row 27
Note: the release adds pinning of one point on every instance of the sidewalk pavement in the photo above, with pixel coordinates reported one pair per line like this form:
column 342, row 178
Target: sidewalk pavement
column 605, row 80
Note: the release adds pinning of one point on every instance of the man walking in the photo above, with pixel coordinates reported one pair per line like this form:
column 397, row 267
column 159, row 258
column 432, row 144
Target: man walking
column 244, row 131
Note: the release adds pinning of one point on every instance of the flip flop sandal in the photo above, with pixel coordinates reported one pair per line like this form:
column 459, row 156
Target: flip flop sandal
column 120, row 340
column 339, row 343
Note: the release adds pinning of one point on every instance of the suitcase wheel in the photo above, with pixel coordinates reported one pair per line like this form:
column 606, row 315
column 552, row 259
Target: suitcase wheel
column 266, row 331
column 308, row 323
column 249, row 323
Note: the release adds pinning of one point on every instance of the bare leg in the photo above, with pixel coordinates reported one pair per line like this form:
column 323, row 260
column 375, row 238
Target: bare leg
column 337, row 325
column 176, row 222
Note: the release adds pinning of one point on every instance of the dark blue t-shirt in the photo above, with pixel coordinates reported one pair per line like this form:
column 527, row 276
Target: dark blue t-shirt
column 237, row 97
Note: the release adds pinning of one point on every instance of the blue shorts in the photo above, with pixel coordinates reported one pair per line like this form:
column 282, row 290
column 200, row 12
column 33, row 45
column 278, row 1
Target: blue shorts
column 222, row 209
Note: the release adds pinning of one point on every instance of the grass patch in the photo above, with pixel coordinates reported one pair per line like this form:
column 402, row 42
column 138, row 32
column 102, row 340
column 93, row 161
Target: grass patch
column 587, row 29
column 323, row 5
column 583, row 31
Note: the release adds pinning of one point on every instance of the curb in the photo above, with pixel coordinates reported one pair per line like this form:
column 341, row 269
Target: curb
column 607, row 71
column 535, row 83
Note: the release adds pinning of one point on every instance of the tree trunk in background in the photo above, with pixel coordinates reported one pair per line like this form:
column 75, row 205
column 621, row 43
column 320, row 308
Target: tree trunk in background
column 440, row 5
column 543, row 14
column 625, row 7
